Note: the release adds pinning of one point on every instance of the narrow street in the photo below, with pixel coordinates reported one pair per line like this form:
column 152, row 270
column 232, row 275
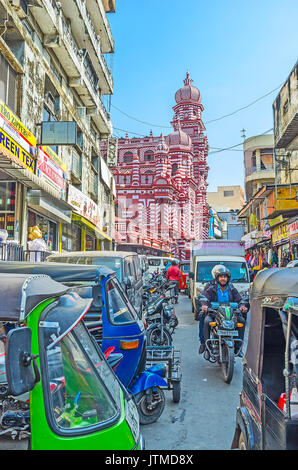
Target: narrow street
column 205, row 417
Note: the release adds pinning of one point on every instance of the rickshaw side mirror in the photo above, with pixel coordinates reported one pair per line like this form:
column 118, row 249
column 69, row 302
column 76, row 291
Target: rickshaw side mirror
column 191, row 275
column 21, row 377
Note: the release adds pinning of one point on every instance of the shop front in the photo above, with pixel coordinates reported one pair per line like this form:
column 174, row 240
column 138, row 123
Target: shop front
column 48, row 215
column 86, row 218
column 17, row 166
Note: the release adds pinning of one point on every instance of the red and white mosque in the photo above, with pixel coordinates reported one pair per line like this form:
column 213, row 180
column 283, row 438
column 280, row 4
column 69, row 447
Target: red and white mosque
column 161, row 182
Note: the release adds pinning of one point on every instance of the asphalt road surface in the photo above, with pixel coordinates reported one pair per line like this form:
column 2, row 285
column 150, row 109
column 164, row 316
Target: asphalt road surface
column 204, row 419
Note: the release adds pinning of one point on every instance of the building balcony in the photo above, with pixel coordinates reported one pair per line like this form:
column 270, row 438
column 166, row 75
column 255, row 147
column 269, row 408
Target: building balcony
column 85, row 34
column 260, row 174
column 285, row 110
column 101, row 24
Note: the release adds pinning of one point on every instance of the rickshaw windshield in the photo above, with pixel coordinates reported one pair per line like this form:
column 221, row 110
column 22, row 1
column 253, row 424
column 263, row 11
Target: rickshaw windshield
column 82, row 390
column 119, row 308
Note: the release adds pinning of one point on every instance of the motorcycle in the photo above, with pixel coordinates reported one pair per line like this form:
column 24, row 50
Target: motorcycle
column 220, row 347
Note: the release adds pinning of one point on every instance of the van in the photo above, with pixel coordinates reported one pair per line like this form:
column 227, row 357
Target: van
column 211, row 253
column 158, row 263
column 126, row 265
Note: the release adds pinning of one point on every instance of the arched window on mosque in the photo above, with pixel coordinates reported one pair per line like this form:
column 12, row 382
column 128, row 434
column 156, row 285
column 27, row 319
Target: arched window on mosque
column 128, row 157
column 148, row 179
column 174, row 169
column 148, row 156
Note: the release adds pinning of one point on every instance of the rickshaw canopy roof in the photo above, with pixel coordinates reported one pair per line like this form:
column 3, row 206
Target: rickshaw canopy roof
column 60, row 272
column 282, row 282
column 21, row 293
column 271, row 288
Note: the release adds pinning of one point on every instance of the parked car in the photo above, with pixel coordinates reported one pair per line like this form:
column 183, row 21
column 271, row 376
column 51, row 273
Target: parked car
column 126, row 265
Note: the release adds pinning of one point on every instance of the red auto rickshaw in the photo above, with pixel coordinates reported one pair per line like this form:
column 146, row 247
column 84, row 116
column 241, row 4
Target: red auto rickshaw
column 184, row 282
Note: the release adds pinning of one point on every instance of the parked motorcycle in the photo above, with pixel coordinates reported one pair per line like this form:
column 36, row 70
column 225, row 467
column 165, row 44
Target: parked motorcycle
column 224, row 340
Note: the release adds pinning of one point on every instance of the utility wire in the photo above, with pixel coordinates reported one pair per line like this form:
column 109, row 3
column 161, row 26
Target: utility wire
column 237, row 145
column 207, row 122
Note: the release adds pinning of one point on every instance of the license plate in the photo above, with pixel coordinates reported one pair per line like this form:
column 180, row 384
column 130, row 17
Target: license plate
column 227, row 333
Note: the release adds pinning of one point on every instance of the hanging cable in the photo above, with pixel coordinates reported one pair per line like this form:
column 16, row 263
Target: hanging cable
column 207, row 122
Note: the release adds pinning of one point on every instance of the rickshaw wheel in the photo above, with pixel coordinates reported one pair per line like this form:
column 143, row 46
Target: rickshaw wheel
column 241, row 443
column 227, row 366
column 149, row 416
column 176, row 391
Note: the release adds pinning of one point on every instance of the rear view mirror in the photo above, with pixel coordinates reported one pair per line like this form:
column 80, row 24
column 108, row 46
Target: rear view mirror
column 18, row 361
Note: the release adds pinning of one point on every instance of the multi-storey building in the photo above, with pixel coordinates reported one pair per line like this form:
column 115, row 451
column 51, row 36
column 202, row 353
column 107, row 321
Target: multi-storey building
column 53, row 67
column 258, row 163
column 162, row 181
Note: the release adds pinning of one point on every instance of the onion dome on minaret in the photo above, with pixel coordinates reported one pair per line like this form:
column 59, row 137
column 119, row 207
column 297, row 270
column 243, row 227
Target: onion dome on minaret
column 179, row 139
column 188, row 92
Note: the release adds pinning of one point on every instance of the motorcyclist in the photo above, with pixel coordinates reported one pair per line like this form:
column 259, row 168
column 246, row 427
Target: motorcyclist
column 173, row 275
column 219, row 290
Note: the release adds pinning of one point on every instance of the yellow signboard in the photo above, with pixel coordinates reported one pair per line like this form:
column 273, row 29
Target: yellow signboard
column 8, row 115
column 280, row 234
column 13, row 148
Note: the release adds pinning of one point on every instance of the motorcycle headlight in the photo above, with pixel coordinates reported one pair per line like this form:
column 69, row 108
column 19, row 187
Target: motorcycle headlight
column 228, row 324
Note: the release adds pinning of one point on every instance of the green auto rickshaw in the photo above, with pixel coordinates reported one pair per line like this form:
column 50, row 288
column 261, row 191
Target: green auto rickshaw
column 76, row 401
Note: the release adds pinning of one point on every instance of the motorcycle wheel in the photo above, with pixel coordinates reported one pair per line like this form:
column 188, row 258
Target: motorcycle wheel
column 158, row 337
column 176, row 391
column 227, row 366
column 150, row 415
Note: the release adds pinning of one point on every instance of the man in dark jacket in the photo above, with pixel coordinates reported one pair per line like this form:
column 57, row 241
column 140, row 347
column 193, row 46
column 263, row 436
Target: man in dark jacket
column 219, row 290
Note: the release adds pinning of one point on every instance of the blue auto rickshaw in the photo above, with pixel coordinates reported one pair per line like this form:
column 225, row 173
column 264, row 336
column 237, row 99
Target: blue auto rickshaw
column 113, row 322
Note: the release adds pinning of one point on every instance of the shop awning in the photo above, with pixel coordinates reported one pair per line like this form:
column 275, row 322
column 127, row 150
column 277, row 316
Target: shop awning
column 99, row 233
column 49, row 206
column 14, row 168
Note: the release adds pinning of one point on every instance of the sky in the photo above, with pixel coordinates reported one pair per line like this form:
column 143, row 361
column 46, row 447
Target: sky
column 235, row 51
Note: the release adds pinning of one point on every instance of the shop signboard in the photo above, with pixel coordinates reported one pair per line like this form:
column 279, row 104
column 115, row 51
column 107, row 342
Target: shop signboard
column 280, row 234
column 293, row 229
column 15, row 139
column 263, row 235
column 51, row 169
column 147, row 242
column 83, row 205
column 249, row 239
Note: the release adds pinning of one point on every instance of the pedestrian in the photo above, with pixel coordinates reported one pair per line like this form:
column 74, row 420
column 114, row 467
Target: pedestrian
column 173, row 275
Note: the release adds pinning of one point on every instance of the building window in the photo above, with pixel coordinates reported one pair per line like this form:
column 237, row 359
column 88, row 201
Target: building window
column 8, row 85
column 174, row 169
column 228, row 193
column 266, row 159
column 128, row 157
column 149, row 156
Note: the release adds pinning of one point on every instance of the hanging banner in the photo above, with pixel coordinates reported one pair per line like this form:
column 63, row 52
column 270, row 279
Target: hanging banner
column 83, row 205
column 51, row 169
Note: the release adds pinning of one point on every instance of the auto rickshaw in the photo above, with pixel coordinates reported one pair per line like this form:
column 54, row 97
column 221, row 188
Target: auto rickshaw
column 76, row 401
column 267, row 417
column 184, row 267
column 113, row 322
